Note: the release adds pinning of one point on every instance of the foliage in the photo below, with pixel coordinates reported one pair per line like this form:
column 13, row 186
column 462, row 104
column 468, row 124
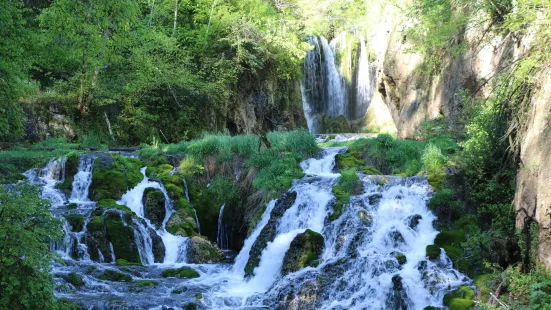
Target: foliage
column 25, row 219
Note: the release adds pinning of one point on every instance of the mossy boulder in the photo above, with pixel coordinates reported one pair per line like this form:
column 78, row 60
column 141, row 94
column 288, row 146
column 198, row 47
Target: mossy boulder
column 113, row 175
column 154, row 206
column 433, row 251
column 75, row 279
column 337, row 124
column 157, row 244
column 112, row 204
column 115, row 276
column 401, row 258
column 159, row 171
column 71, row 168
column 304, row 251
column 121, row 235
column 76, row 222
column 200, row 251
column 146, row 283
column 183, row 272
column 96, row 240
column 450, row 241
column 182, row 221
column 268, row 233
column 124, row 262
column 460, row 299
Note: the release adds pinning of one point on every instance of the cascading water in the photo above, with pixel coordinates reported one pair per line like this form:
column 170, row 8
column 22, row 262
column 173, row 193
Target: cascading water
column 47, row 178
column 337, row 81
column 357, row 269
column 82, row 180
column 221, row 235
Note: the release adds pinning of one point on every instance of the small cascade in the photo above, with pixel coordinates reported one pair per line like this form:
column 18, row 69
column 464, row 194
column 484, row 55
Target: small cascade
column 82, row 180
column 144, row 242
column 47, row 178
column 189, row 201
column 221, row 235
column 174, row 245
column 337, row 81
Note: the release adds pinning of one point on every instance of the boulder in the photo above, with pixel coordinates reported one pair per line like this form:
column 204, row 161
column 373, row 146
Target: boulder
column 268, row 233
column 121, row 235
column 96, row 240
column 154, row 206
column 200, row 251
column 304, row 251
column 182, row 221
column 158, row 246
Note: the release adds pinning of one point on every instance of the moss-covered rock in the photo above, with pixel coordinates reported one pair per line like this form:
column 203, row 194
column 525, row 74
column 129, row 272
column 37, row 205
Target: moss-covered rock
column 200, row 251
column 433, row 251
column 113, row 175
column 115, row 276
column 146, row 283
column 76, row 222
column 157, row 244
column 183, row 272
column 121, row 235
column 124, row 262
column 182, row 221
column 460, row 299
column 337, row 124
column 304, row 251
column 154, row 206
column 112, row 204
column 96, row 240
column 348, row 185
column 75, row 279
column 401, row 258
column 268, row 233
column 71, row 168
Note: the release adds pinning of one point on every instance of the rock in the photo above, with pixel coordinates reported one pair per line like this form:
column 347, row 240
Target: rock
column 304, row 299
column 414, row 220
column 121, row 235
column 183, row 272
column 182, row 221
column 158, row 246
column 113, row 175
column 154, row 206
column 433, row 251
column 364, row 216
column 75, row 279
column 304, row 251
column 76, row 222
column 460, row 299
column 396, row 238
column 401, row 258
column 268, row 233
column 397, row 298
column 200, row 251
column 115, row 276
column 96, row 239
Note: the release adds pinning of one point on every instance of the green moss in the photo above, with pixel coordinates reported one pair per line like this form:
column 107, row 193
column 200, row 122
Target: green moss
column 72, row 206
column 401, row 258
column 369, row 170
column 75, row 279
column 145, row 283
column 174, row 191
column 112, row 204
column 450, row 237
column 433, row 251
column 76, row 222
column 342, row 199
column 95, row 224
column 179, row 290
column 199, row 296
column 183, row 272
column 151, row 172
column 191, row 306
column 115, row 276
column 460, row 299
column 90, row 269
column 124, row 262
column 122, row 238
column 348, row 185
column 111, row 182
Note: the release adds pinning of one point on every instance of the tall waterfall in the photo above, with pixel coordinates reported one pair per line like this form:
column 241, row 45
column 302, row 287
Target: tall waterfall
column 338, row 80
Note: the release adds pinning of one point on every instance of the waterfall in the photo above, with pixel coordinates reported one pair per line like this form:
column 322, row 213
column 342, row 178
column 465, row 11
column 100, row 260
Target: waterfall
column 189, row 201
column 337, row 80
column 47, row 178
column 221, row 235
column 82, row 180
column 174, row 245
column 243, row 256
column 144, row 242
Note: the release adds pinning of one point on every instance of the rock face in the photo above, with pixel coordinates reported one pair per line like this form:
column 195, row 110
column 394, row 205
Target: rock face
column 200, row 251
column 154, row 206
column 304, row 251
column 533, row 197
column 268, row 233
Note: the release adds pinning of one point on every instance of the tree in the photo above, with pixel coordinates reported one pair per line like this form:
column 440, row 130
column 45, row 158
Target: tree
column 26, row 228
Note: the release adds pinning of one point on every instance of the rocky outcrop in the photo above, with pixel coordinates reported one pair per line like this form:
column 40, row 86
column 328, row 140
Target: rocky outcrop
column 268, row 233
column 154, row 206
column 304, row 251
column 533, row 197
column 182, row 221
column 201, row 251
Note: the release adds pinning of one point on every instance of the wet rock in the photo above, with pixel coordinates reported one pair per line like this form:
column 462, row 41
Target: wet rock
column 76, row 222
column 397, row 298
column 413, row 221
column 121, row 235
column 365, row 217
column 433, row 251
column 158, row 246
column 182, row 222
column 374, row 199
column 304, row 251
column 401, row 258
column 115, row 276
column 396, row 238
column 75, row 279
column 154, row 206
column 305, row 298
column 96, row 240
column 268, row 233
column 183, row 272
column 190, row 306
column 200, row 251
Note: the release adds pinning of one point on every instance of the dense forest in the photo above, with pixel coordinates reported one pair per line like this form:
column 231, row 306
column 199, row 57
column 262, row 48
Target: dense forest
column 156, row 153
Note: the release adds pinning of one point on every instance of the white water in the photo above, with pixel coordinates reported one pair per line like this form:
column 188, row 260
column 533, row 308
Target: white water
column 324, row 165
column 336, row 92
column 82, row 180
column 364, row 91
column 174, row 245
column 221, row 235
column 47, row 178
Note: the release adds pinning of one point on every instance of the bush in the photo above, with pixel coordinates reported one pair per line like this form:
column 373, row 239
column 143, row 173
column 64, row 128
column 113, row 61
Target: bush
column 27, row 226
